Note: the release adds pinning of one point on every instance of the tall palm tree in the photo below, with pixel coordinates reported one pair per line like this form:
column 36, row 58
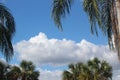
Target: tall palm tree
column 7, row 30
column 104, row 13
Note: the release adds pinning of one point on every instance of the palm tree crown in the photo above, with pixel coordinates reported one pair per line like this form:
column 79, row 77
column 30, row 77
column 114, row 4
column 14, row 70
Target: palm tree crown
column 93, row 70
column 26, row 71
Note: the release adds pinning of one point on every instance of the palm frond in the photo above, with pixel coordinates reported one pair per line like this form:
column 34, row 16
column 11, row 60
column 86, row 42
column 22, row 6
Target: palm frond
column 60, row 9
column 7, row 20
column 7, row 30
column 99, row 12
column 106, row 20
column 5, row 43
column 92, row 9
column 66, row 75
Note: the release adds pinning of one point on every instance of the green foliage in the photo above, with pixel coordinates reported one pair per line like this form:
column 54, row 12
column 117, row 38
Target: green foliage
column 60, row 9
column 26, row 72
column 92, row 70
column 7, row 30
column 92, row 9
column 3, row 70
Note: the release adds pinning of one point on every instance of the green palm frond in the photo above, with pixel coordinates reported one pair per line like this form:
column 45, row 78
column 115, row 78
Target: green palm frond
column 35, row 74
column 99, row 12
column 106, row 22
column 103, row 15
column 7, row 30
column 14, row 73
column 27, row 66
column 28, row 70
column 23, row 65
column 60, row 9
column 106, row 69
column 92, row 9
column 15, row 69
column 67, row 75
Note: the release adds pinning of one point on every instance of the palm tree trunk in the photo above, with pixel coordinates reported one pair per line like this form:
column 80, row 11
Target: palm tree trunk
column 115, row 17
column 117, row 38
column 118, row 13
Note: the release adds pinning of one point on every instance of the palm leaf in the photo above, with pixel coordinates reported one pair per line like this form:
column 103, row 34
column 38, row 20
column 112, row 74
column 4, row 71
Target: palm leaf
column 106, row 20
column 7, row 30
column 60, row 9
column 92, row 9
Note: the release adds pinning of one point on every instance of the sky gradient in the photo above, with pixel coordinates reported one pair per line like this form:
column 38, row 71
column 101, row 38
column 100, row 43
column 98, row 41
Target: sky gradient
column 39, row 40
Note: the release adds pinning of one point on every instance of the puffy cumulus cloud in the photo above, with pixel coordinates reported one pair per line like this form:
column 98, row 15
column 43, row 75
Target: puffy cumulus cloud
column 44, row 51
column 50, row 75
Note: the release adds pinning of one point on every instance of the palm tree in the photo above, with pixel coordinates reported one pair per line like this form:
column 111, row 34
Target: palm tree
column 67, row 75
column 106, row 70
column 93, row 70
column 100, row 70
column 73, row 72
column 7, row 30
column 86, row 73
column 28, row 71
column 104, row 13
column 14, row 73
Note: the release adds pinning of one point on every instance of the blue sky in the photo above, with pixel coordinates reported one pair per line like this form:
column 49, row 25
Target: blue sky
column 39, row 40
column 33, row 17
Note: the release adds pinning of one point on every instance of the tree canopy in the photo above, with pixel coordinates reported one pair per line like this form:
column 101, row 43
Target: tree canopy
column 26, row 71
column 92, row 70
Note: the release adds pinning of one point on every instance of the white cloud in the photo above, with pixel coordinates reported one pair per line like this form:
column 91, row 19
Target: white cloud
column 43, row 51
column 50, row 75
column 116, row 75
